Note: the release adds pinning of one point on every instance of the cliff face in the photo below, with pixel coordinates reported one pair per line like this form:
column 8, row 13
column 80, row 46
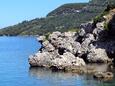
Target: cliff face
column 110, row 19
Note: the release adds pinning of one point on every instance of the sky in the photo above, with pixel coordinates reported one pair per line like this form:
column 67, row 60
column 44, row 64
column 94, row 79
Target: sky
column 16, row 11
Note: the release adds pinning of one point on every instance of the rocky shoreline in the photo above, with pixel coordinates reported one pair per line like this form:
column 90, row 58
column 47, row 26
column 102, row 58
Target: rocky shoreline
column 73, row 51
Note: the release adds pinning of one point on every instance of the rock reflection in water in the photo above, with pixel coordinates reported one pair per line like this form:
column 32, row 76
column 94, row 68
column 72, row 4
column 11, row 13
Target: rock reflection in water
column 61, row 78
column 43, row 72
column 100, row 67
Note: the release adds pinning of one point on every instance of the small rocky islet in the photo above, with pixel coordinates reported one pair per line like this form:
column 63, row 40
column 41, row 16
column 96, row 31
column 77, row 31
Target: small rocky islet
column 74, row 51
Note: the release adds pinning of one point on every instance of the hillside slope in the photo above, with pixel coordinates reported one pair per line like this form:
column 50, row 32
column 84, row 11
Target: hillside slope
column 68, row 9
column 64, row 18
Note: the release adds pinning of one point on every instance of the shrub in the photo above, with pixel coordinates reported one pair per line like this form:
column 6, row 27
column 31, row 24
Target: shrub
column 47, row 35
column 100, row 18
column 106, row 26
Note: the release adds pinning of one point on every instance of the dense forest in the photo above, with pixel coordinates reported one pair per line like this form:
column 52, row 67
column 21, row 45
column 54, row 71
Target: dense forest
column 66, row 17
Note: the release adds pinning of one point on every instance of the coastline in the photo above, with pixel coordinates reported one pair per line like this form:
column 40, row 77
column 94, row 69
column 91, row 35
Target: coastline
column 72, row 51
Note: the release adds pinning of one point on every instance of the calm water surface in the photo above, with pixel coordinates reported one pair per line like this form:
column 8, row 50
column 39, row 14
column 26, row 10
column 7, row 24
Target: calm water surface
column 15, row 71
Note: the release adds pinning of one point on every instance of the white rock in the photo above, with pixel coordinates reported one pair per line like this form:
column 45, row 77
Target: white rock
column 97, row 55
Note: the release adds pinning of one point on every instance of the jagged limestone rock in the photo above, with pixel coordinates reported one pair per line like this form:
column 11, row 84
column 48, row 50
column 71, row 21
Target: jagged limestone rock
column 88, row 27
column 98, row 56
column 41, row 59
column 48, row 46
column 46, row 59
column 41, row 38
column 72, row 49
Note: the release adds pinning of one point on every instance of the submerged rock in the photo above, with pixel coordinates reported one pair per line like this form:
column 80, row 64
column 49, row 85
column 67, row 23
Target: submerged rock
column 103, row 75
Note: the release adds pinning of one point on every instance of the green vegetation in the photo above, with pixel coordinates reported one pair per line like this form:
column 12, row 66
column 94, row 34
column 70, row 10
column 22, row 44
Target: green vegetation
column 47, row 35
column 106, row 26
column 73, row 30
column 99, row 18
column 61, row 19
column 67, row 9
column 110, row 4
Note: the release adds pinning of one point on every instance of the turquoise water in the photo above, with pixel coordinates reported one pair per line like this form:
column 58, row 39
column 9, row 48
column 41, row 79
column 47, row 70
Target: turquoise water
column 15, row 70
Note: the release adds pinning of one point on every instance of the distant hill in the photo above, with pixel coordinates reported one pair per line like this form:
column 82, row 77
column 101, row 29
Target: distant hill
column 64, row 18
column 72, row 8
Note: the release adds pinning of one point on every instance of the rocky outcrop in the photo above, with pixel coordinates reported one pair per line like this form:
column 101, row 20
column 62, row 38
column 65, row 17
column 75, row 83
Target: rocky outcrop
column 70, row 50
column 41, row 38
column 74, row 50
column 58, row 52
column 47, row 46
column 50, row 60
column 79, row 51
column 41, row 59
column 88, row 27
column 103, row 75
column 97, row 56
column 67, row 60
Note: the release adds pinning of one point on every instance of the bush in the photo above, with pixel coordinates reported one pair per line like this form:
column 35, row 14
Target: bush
column 47, row 35
column 99, row 18
column 106, row 26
